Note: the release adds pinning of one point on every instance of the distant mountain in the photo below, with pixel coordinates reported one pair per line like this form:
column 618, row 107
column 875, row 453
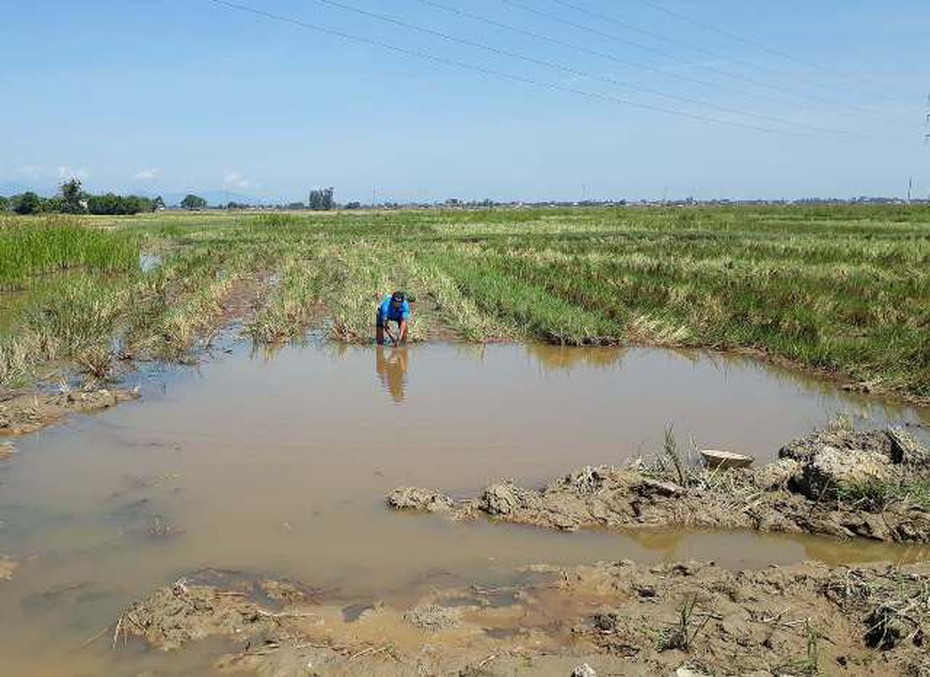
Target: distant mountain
column 216, row 197
column 10, row 188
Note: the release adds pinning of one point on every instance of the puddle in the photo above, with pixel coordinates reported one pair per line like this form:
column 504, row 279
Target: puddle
column 149, row 262
column 280, row 465
column 493, row 598
column 502, row 633
column 353, row 612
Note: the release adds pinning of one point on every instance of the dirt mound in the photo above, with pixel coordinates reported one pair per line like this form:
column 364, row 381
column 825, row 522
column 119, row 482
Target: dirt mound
column 873, row 484
column 802, row 619
column 422, row 500
column 433, row 617
column 831, row 469
column 838, row 459
column 212, row 602
column 21, row 414
column 895, row 444
column 618, row 618
column 180, row 613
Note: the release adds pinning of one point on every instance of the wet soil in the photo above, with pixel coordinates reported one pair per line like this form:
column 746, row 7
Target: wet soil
column 838, row 482
column 620, row 618
column 685, row 618
column 22, row 413
column 244, row 298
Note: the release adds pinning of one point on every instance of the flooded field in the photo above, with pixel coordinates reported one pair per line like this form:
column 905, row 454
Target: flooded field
column 281, row 464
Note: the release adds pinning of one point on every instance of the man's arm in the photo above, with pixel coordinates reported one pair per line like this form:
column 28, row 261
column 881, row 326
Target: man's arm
column 386, row 323
column 403, row 324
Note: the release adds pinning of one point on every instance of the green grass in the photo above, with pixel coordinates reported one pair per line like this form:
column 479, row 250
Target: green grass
column 80, row 318
column 877, row 495
column 842, row 289
column 35, row 246
column 685, row 630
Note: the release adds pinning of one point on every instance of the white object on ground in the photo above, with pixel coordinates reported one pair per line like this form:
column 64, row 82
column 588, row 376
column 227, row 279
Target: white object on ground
column 716, row 458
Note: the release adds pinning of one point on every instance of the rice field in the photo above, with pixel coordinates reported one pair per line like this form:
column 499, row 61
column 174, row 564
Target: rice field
column 30, row 247
column 844, row 290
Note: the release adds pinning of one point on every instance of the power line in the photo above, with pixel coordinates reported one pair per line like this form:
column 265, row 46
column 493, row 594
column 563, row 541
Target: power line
column 598, row 53
column 659, row 52
column 568, row 69
column 493, row 72
column 759, row 46
column 708, row 52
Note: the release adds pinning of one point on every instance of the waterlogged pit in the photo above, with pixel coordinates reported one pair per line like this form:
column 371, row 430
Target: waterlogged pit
column 278, row 465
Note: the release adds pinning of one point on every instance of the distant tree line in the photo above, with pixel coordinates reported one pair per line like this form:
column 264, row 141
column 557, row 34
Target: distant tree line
column 119, row 204
column 72, row 199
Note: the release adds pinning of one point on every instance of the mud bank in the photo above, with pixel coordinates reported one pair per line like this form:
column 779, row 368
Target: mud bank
column 21, row 414
column 837, row 482
column 618, row 617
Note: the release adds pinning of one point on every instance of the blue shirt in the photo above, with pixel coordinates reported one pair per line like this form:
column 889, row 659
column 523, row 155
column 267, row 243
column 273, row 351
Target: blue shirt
column 386, row 311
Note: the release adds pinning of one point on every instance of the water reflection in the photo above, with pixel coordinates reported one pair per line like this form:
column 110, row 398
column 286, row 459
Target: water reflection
column 392, row 370
column 666, row 541
column 474, row 352
column 837, row 402
column 565, row 358
column 678, row 544
column 833, row 551
column 149, row 262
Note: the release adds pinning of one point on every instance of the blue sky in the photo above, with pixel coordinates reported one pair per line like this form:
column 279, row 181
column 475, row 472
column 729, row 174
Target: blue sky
column 169, row 96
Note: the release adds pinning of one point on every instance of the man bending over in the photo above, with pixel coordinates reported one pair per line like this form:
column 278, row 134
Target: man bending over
column 393, row 308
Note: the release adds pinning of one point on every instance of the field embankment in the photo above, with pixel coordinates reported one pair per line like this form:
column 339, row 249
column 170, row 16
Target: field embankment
column 837, row 482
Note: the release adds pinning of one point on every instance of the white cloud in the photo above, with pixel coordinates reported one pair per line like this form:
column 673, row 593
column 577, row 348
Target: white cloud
column 149, row 174
column 65, row 172
column 236, row 180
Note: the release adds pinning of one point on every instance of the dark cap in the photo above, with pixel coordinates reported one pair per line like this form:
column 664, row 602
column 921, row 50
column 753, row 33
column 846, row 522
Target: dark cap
column 398, row 297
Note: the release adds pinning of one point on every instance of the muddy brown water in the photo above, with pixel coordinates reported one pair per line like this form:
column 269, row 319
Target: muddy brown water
column 279, row 465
